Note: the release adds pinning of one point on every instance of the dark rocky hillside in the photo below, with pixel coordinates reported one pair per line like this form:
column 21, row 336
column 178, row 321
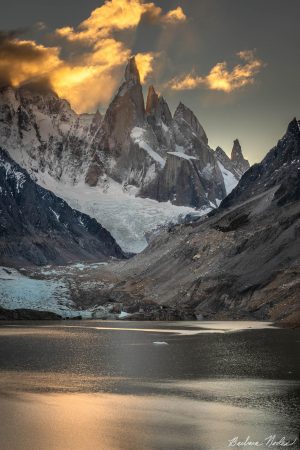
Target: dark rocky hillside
column 38, row 228
column 280, row 167
column 242, row 261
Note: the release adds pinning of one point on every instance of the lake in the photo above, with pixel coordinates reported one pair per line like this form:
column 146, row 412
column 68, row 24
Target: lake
column 101, row 385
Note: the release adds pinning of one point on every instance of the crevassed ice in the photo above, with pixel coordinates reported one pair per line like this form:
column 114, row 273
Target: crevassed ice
column 126, row 217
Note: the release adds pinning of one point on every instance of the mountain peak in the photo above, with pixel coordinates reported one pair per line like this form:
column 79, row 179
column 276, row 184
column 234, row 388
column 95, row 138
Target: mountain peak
column 183, row 112
column 132, row 72
column 279, row 169
column 294, row 127
column 237, row 157
column 236, row 153
column 152, row 100
column 220, row 153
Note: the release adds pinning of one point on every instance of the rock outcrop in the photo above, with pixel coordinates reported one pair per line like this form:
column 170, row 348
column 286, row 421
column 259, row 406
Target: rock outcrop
column 191, row 175
column 240, row 164
column 125, row 112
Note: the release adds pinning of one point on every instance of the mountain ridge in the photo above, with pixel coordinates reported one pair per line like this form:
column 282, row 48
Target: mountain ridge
column 144, row 152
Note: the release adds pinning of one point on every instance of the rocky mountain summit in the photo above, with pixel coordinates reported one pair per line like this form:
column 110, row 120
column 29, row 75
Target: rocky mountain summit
column 240, row 164
column 151, row 165
column 38, row 228
column 133, row 145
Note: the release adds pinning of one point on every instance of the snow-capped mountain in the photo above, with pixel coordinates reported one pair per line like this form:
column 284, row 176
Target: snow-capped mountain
column 44, row 135
column 133, row 169
column 36, row 227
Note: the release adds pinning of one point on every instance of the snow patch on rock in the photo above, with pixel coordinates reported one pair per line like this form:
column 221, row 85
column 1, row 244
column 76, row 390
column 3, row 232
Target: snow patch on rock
column 229, row 179
column 138, row 137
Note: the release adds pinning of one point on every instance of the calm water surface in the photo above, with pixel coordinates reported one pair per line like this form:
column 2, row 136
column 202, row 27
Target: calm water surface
column 95, row 385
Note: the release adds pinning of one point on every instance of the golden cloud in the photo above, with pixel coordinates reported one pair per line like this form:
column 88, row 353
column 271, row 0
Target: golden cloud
column 92, row 74
column 118, row 15
column 85, row 83
column 21, row 60
column 174, row 16
column 144, row 63
column 220, row 78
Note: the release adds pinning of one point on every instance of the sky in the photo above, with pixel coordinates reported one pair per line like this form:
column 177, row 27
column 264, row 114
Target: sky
column 235, row 63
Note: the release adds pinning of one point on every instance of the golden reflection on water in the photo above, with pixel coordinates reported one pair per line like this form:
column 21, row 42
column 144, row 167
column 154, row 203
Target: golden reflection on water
column 31, row 421
column 180, row 328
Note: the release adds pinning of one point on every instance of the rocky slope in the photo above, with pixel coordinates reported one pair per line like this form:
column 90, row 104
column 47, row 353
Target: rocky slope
column 36, row 227
column 280, row 167
column 241, row 261
column 141, row 152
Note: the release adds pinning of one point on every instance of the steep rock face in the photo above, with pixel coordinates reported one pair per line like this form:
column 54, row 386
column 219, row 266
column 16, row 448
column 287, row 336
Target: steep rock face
column 226, row 162
column 231, row 176
column 157, row 109
column 36, row 227
column 152, row 101
column 181, row 182
column 159, row 117
column 240, row 164
column 43, row 134
column 125, row 112
column 191, row 174
column 183, row 113
column 279, row 168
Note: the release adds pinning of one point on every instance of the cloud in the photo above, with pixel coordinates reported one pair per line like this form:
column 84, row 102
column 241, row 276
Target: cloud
column 118, row 15
column 85, row 81
column 89, row 74
column 174, row 16
column 144, row 63
column 23, row 60
column 220, row 78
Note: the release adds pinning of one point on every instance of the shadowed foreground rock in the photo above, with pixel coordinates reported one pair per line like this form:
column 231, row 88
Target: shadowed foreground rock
column 38, row 228
column 27, row 314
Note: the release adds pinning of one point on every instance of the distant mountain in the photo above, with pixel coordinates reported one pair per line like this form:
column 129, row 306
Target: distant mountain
column 38, row 228
column 243, row 260
column 280, row 168
column 232, row 168
column 141, row 152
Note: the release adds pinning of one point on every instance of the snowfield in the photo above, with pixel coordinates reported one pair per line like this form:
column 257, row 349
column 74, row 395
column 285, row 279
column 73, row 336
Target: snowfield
column 126, row 217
